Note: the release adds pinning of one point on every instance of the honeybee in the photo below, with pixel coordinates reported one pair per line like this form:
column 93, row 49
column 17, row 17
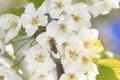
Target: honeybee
column 52, row 43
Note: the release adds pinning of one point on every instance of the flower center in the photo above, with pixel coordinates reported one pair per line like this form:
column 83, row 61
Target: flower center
column 76, row 18
column 13, row 24
column 62, row 27
column 59, row 4
column 73, row 54
column 86, row 43
column 40, row 58
column 72, row 77
column 42, row 77
column 35, row 20
column 64, row 45
column 85, row 60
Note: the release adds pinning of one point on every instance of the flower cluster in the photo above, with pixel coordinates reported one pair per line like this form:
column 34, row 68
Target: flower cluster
column 68, row 42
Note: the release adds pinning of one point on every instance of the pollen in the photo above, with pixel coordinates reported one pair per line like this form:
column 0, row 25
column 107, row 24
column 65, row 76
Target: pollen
column 76, row 18
column 73, row 54
column 35, row 20
column 13, row 24
column 42, row 77
column 64, row 45
column 85, row 60
column 59, row 4
column 86, row 43
column 40, row 58
column 72, row 76
column 63, row 27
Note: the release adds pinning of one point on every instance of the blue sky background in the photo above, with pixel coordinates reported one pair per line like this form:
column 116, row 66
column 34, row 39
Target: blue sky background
column 115, row 26
column 109, row 29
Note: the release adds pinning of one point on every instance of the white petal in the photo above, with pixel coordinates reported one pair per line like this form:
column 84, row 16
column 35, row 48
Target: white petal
column 112, row 3
column 30, row 29
column 30, row 68
column 68, row 9
column 2, row 33
column 94, row 34
column 71, row 25
column 43, row 20
column 10, row 35
column 79, row 76
column 25, row 19
column 83, row 24
column 55, row 13
column 35, row 76
column 93, row 73
column 42, row 10
column 5, row 62
column 30, row 9
column 9, row 74
column 85, row 15
column 4, row 20
column 84, row 33
column 41, row 38
column 52, row 27
column 95, row 9
column 9, row 49
column 66, row 1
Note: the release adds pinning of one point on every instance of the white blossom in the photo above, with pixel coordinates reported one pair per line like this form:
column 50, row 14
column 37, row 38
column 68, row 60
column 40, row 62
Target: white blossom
column 60, row 28
column 90, row 40
column 8, row 74
column 79, row 17
column 103, row 7
column 51, row 39
column 73, row 76
column 77, row 60
column 2, row 34
column 4, row 62
column 12, row 24
column 42, row 76
column 78, row 55
column 38, row 59
column 32, row 18
column 9, row 49
column 93, row 72
column 68, row 40
column 56, row 7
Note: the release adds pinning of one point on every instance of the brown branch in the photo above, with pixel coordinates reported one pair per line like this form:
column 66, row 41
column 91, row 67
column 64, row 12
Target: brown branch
column 60, row 69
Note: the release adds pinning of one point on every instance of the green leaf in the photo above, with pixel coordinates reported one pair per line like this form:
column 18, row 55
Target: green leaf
column 17, row 12
column 116, row 57
column 22, row 32
column 105, row 73
column 39, row 31
column 112, row 63
column 37, row 3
